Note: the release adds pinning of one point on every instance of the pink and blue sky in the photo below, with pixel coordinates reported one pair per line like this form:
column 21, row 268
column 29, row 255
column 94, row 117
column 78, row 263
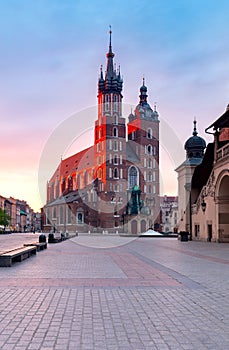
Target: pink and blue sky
column 50, row 56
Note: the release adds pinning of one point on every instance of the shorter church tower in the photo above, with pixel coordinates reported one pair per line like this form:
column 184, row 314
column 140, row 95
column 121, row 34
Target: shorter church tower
column 143, row 139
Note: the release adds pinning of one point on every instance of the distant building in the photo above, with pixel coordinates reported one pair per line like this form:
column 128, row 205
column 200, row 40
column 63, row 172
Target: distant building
column 113, row 185
column 194, row 147
column 210, row 186
column 169, row 214
column 22, row 217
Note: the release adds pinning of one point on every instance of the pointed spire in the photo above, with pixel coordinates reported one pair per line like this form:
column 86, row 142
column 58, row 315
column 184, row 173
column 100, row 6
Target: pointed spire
column 194, row 129
column 110, row 80
column 110, row 47
column 110, row 55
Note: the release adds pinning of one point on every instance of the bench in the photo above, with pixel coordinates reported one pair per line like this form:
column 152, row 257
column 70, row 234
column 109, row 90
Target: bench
column 16, row 255
column 39, row 245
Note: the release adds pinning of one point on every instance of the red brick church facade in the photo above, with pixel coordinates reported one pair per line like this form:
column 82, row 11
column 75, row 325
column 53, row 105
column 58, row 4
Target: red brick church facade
column 112, row 186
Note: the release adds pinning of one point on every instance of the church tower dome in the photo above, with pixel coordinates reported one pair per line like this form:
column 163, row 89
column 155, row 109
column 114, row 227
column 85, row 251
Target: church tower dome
column 195, row 145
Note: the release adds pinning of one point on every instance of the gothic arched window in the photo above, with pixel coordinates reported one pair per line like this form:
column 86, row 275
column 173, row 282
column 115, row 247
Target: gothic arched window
column 61, row 215
column 133, row 177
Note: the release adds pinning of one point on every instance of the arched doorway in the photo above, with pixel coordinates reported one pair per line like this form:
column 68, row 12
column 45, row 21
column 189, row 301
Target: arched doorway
column 143, row 226
column 223, row 209
column 134, row 227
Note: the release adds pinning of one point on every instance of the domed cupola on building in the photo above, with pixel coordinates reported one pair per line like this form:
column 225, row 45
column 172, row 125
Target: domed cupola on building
column 143, row 109
column 195, row 145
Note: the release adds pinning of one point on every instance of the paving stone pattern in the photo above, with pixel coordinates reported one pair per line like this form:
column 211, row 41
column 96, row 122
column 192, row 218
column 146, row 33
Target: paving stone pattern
column 147, row 293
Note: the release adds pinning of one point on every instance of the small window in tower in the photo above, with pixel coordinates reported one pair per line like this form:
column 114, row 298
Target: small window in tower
column 110, row 172
column 120, row 159
column 149, row 133
column 150, row 163
column 115, row 146
column 149, row 149
column 155, row 150
column 115, row 132
column 115, row 99
column 115, row 173
column 120, row 145
column 115, row 159
column 106, row 103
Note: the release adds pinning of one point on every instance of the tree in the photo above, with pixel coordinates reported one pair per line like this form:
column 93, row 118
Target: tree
column 4, row 218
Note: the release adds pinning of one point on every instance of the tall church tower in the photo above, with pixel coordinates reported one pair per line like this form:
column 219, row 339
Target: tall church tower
column 110, row 129
column 143, row 138
column 110, row 146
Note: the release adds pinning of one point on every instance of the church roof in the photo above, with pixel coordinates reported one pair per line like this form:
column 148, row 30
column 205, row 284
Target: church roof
column 131, row 156
column 79, row 161
column 70, row 197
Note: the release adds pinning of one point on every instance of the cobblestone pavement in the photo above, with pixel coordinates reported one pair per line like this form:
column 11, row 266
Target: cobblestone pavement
column 116, row 293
